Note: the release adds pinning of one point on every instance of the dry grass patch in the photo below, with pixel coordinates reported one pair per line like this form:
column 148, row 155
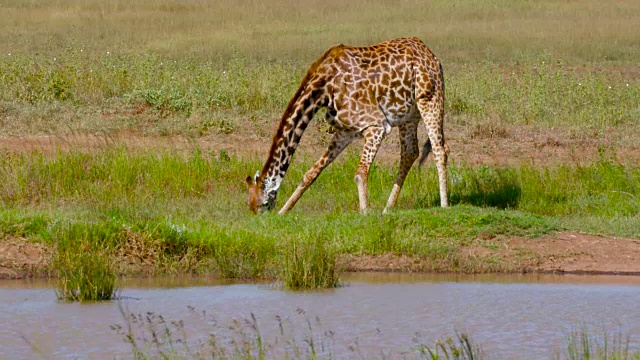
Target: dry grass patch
column 489, row 130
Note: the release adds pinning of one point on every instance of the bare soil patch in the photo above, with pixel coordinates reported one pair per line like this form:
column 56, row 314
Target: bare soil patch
column 569, row 252
column 20, row 258
column 511, row 145
column 560, row 252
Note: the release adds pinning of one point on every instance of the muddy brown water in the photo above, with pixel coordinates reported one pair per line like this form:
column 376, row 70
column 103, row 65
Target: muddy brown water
column 510, row 317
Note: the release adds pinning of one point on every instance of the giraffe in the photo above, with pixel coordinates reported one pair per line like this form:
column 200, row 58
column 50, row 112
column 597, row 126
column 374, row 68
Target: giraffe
column 367, row 91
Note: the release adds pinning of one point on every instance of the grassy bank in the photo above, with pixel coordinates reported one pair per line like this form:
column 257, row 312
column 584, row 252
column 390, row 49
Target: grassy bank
column 173, row 212
column 224, row 72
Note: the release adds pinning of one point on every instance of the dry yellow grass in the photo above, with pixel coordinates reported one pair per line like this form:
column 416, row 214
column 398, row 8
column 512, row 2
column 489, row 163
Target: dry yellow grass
column 465, row 30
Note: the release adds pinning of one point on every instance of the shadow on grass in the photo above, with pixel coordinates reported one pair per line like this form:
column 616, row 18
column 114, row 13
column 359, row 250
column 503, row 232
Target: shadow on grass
column 482, row 186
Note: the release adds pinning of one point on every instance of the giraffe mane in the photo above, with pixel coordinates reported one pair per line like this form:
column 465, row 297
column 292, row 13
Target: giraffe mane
column 291, row 107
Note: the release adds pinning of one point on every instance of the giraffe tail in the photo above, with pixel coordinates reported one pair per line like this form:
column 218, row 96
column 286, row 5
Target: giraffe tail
column 426, row 149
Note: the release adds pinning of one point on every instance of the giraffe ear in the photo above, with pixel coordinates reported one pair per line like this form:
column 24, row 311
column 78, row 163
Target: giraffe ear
column 249, row 181
column 256, row 176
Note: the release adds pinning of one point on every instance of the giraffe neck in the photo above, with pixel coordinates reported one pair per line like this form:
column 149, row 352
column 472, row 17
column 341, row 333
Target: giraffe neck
column 299, row 113
column 300, row 110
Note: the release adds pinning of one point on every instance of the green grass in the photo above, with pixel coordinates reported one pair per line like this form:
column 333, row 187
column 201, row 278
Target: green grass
column 460, row 348
column 583, row 345
column 119, row 183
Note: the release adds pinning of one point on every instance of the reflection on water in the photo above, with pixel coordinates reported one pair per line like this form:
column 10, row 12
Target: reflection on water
column 508, row 315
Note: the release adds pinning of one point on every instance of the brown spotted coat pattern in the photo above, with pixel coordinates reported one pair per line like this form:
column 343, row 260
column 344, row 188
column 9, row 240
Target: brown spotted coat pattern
column 367, row 91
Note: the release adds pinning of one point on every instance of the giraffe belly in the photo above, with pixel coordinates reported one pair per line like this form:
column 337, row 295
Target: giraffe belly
column 397, row 116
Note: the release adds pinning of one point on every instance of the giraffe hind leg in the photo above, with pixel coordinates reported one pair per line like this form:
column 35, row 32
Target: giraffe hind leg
column 432, row 112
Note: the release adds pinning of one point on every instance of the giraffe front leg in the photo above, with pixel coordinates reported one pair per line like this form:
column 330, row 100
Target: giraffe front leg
column 373, row 137
column 409, row 152
column 338, row 143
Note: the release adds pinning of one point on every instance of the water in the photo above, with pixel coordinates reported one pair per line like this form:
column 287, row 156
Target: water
column 511, row 317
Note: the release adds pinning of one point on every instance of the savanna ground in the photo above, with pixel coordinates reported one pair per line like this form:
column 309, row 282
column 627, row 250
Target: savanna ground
column 129, row 128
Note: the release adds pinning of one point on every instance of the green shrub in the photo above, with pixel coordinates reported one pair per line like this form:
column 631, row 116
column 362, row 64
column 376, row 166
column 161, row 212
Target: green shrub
column 84, row 275
column 309, row 264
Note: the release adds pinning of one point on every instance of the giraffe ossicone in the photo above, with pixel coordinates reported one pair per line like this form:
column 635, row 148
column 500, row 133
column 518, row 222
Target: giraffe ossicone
column 367, row 91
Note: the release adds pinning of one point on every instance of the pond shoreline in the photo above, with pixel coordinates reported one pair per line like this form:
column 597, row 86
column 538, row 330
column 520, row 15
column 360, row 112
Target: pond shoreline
column 556, row 253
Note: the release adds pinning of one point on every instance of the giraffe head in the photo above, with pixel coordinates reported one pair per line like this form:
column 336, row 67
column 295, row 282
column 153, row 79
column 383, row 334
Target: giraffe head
column 258, row 202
